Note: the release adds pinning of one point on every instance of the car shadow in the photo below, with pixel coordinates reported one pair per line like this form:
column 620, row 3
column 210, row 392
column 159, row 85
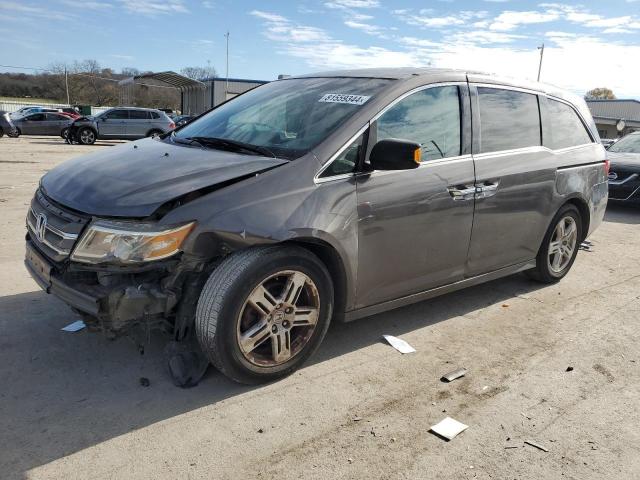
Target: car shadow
column 622, row 213
column 64, row 392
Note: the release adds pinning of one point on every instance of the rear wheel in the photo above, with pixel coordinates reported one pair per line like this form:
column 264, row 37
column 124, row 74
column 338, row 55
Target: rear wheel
column 559, row 247
column 1, row 132
column 154, row 133
column 263, row 312
column 86, row 136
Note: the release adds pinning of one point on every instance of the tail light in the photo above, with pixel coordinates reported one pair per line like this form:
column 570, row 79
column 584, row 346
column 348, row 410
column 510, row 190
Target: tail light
column 173, row 125
column 607, row 167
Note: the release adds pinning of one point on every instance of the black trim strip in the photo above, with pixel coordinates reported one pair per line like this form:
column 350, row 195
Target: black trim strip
column 581, row 165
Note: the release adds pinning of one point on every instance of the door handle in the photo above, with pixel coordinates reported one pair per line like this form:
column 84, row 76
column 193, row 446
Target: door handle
column 488, row 188
column 462, row 192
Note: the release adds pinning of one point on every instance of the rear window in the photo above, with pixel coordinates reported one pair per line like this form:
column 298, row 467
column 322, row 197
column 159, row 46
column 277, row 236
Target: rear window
column 155, row 115
column 508, row 119
column 138, row 115
column 564, row 126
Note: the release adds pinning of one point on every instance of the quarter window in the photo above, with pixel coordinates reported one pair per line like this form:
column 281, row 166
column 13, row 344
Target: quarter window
column 508, row 119
column 430, row 117
column 564, row 126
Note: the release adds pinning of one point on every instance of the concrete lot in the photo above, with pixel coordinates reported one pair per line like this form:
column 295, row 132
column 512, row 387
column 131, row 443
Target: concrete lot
column 71, row 405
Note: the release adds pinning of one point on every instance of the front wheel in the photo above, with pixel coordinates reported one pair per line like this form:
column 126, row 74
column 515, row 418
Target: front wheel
column 559, row 247
column 263, row 312
column 87, row 136
column 64, row 133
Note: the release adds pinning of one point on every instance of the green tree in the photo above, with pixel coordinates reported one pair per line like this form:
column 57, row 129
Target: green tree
column 600, row 94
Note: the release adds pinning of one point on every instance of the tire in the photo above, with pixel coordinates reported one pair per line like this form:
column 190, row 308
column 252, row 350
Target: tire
column 224, row 314
column 1, row 132
column 86, row 136
column 548, row 269
column 64, row 133
column 154, row 132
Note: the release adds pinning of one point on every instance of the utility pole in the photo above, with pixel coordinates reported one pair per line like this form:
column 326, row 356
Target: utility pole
column 66, row 83
column 226, row 86
column 541, row 48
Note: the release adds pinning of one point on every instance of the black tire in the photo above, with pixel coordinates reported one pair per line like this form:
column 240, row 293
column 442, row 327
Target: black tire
column 154, row 132
column 89, row 137
column 543, row 272
column 18, row 133
column 223, row 298
column 1, row 132
column 64, row 133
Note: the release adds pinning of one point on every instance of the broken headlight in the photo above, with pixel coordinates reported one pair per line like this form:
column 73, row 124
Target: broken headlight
column 129, row 243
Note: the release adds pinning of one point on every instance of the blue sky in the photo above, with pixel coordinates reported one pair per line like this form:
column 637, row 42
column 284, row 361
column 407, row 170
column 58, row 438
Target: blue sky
column 588, row 45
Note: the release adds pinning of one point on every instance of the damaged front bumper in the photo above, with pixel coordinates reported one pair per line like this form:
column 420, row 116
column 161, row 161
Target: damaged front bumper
column 116, row 300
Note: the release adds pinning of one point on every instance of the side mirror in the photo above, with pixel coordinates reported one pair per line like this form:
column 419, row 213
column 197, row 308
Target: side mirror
column 395, row 154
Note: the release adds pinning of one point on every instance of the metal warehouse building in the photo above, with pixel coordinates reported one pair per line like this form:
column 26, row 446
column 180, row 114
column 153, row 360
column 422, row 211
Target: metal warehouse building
column 197, row 99
column 615, row 118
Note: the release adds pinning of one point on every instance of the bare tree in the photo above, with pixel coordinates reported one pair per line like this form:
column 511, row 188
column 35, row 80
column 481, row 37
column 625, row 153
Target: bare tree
column 199, row 73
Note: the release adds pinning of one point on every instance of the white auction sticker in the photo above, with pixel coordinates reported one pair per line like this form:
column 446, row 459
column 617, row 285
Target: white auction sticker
column 343, row 98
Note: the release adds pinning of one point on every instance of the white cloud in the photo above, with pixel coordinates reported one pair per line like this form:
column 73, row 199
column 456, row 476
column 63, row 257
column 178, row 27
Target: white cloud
column 353, row 4
column 365, row 27
column 154, row 7
column 510, row 20
column 568, row 60
column 436, row 22
column 88, row 5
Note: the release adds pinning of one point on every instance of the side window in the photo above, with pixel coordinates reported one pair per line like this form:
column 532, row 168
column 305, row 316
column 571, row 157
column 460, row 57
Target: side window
column 138, row 115
column 508, row 120
column 430, row 117
column 155, row 115
column 565, row 127
column 345, row 162
column 118, row 115
column 38, row 117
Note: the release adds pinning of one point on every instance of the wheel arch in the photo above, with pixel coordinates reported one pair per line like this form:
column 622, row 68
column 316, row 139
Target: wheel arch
column 585, row 214
column 330, row 257
column 152, row 131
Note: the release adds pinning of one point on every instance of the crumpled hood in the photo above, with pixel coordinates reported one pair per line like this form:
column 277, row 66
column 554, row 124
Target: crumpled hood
column 134, row 179
column 624, row 159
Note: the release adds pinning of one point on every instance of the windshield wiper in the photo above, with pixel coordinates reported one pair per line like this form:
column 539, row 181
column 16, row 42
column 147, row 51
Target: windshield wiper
column 233, row 145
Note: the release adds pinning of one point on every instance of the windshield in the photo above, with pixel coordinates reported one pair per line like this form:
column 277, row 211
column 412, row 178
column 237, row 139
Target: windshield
column 287, row 117
column 628, row 144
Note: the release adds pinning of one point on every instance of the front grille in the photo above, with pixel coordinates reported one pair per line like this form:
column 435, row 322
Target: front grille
column 626, row 183
column 52, row 229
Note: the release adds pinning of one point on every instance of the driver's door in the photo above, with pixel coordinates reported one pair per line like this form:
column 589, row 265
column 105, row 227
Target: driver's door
column 414, row 225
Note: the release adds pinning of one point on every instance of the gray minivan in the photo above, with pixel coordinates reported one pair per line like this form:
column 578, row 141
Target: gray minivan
column 328, row 196
column 124, row 123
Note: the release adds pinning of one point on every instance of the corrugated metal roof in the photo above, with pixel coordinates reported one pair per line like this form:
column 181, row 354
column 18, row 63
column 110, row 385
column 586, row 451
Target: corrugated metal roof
column 171, row 78
column 615, row 109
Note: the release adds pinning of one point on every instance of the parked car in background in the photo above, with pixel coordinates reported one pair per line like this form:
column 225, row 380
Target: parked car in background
column 23, row 110
column 624, row 175
column 181, row 120
column 244, row 233
column 125, row 123
column 43, row 123
column 6, row 125
column 607, row 142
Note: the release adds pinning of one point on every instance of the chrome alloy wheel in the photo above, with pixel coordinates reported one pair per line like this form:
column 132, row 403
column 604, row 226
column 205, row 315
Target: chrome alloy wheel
column 563, row 243
column 87, row 136
column 278, row 318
